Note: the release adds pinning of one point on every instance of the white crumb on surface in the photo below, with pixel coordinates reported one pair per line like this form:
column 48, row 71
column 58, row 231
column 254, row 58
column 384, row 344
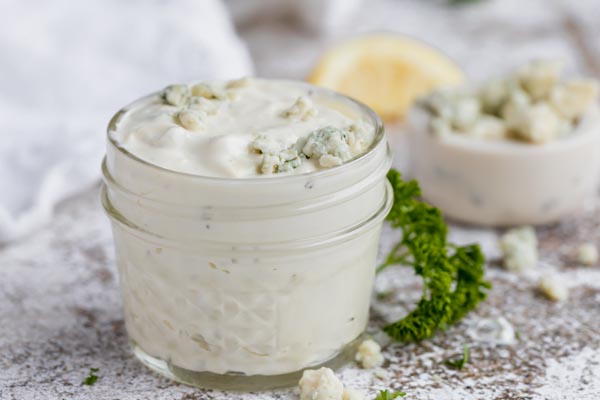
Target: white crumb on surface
column 553, row 288
column 381, row 373
column 369, row 354
column 352, row 394
column 519, row 248
column 320, row 384
column 587, row 254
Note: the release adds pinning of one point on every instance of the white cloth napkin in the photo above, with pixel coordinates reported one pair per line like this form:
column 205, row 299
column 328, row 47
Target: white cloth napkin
column 67, row 66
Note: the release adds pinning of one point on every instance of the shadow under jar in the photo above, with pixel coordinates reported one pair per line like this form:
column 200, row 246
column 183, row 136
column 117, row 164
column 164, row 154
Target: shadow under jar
column 241, row 284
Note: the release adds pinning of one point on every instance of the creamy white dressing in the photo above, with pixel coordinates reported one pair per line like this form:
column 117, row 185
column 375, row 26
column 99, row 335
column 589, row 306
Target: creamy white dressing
column 220, row 144
column 246, row 276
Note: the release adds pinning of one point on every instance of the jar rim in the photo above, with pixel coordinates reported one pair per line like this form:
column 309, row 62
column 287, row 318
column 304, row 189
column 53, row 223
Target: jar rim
column 309, row 205
column 300, row 245
column 376, row 121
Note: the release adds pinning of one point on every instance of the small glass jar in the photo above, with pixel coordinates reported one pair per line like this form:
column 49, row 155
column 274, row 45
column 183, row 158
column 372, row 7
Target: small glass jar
column 241, row 284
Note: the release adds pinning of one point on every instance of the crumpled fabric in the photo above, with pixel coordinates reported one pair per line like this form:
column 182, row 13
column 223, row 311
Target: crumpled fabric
column 67, row 66
column 319, row 16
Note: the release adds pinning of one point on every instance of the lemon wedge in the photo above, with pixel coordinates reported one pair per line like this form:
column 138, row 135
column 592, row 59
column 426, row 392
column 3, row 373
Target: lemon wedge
column 385, row 71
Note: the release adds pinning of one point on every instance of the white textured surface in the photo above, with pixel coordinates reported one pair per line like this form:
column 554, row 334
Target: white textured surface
column 59, row 303
column 61, row 313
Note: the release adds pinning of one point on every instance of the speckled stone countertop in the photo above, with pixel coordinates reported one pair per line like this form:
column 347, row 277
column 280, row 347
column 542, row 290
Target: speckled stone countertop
column 60, row 311
column 61, row 314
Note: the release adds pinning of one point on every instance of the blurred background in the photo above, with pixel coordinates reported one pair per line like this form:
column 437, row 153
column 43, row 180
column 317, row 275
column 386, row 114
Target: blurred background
column 66, row 67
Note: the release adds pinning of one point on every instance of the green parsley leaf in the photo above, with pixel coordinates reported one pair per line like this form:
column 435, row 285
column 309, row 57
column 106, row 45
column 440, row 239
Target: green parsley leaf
column 91, row 378
column 387, row 395
column 453, row 276
column 460, row 362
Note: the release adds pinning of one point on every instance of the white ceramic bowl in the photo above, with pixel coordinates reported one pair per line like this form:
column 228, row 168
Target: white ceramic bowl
column 503, row 183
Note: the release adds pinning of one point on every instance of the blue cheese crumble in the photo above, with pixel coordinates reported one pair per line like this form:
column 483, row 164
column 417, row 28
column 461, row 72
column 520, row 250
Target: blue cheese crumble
column 329, row 145
column 553, row 289
column 302, row 109
column 531, row 105
column 245, row 127
column 176, row 95
column 369, row 354
column 519, row 248
column 320, row 384
column 587, row 254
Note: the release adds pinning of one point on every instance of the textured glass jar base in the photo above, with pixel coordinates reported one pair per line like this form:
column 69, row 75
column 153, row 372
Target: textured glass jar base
column 238, row 382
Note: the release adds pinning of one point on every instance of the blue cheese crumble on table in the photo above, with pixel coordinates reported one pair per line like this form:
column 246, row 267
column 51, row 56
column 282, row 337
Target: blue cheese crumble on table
column 323, row 384
column 519, row 248
column 553, row 289
column 369, row 354
column 320, row 384
column 587, row 254
column 352, row 394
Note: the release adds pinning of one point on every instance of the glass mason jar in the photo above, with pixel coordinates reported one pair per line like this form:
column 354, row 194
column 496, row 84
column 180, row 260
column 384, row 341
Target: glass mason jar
column 241, row 284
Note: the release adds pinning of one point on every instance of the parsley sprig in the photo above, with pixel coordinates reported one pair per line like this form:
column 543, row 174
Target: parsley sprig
column 387, row 395
column 91, row 378
column 459, row 363
column 453, row 276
